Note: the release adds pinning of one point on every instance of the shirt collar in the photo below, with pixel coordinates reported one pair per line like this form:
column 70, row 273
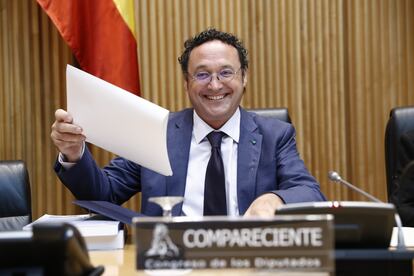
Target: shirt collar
column 231, row 128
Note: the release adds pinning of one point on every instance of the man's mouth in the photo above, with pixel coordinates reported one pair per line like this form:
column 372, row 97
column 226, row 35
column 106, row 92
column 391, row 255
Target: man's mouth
column 215, row 97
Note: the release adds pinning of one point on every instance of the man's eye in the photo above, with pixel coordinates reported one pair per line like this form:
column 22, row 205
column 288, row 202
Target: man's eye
column 202, row 75
column 226, row 73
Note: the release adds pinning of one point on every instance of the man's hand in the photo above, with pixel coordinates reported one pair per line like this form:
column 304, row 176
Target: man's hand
column 264, row 206
column 67, row 136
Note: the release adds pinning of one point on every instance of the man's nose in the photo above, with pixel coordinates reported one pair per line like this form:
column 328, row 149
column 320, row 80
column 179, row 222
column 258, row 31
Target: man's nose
column 215, row 82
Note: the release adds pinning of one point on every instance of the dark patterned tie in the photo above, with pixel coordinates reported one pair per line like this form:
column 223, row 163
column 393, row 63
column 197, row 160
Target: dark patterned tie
column 215, row 189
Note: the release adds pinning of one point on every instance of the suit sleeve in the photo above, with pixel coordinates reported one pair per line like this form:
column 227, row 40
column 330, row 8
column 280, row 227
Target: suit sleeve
column 115, row 183
column 294, row 182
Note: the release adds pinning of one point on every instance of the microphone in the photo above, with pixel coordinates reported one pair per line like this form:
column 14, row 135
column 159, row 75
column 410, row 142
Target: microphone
column 335, row 177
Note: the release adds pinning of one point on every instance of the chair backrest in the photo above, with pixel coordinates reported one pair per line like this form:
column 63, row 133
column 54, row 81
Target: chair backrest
column 400, row 121
column 281, row 113
column 15, row 196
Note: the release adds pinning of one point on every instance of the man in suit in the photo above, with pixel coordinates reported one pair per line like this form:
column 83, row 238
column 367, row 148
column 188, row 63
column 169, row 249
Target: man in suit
column 405, row 180
column 262, row 168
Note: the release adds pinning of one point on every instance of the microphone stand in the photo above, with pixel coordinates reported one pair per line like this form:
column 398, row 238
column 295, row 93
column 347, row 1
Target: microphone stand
column 335, row 177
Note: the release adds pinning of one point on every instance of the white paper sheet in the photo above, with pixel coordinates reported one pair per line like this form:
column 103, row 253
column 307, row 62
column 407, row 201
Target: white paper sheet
column 408, row 233
column 86, row 226
column 118, row 121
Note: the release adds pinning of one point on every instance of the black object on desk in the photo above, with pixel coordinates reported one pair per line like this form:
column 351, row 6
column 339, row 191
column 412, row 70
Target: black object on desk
column 52, row 249
column 357, row 224
column 363, row 233
column 378, row 262
column 109, row 210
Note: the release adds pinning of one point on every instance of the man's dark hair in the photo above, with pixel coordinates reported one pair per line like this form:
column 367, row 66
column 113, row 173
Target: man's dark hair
column 209, row 35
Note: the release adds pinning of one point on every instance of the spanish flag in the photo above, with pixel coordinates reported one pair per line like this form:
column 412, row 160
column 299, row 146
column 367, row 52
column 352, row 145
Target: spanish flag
column 101, row 35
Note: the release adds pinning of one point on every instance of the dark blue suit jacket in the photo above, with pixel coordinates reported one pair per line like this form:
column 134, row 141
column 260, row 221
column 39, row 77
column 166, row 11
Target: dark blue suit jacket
column 268, row 161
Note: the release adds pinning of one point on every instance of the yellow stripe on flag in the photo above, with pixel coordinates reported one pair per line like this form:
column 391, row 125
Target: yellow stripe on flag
column 126, row 9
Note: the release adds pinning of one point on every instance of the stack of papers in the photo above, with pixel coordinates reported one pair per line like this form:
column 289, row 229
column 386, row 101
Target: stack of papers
column 98, row 234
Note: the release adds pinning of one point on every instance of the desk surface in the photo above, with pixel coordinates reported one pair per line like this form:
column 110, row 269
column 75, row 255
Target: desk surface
column 122, row 262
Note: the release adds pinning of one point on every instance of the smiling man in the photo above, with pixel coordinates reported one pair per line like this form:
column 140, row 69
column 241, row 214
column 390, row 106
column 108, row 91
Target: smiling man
column 225, row 160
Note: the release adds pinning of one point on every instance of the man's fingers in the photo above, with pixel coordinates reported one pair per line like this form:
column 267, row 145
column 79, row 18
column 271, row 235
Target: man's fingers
column 64, row 123
column 64, row 145
column 264, row 213
column 68, row 128
column 67, row 137
column 63, row 116
column 264, row 206
column 258, row 212
column 63, row 127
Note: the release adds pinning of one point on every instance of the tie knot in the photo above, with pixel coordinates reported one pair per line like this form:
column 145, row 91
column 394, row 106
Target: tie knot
column 215, row 138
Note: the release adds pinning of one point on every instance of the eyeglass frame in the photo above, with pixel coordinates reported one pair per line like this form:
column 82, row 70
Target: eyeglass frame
column 222, row 80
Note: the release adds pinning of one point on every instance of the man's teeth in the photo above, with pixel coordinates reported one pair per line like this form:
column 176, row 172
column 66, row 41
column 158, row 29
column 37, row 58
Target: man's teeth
column 215, row 97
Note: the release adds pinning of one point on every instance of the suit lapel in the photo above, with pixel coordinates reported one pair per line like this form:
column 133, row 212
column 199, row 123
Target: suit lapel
column 249, row 149
column 180, row 127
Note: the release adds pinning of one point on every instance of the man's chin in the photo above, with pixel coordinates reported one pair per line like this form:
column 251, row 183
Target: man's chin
column 216, row 119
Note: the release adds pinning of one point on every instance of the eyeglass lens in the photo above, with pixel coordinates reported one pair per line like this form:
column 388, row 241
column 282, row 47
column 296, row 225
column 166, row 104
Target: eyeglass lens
column 224, row 75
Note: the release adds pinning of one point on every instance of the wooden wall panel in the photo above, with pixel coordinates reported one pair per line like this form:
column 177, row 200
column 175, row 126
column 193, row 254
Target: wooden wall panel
column 338, row 65
column 379, row 77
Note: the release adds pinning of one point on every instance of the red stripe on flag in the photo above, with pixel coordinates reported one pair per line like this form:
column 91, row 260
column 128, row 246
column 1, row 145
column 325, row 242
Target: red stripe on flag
column 99, row 38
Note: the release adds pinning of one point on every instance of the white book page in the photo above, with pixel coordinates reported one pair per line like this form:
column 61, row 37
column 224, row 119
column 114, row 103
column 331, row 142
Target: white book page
column 86, row 226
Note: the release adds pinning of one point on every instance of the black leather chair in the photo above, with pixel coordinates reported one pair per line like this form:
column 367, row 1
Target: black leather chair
column 278, row 113
column 15, row 196
column 400, row 121
column 406, row 195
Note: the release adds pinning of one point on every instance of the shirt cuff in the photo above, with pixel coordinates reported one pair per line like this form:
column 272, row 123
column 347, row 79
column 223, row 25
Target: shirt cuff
column 67, row 165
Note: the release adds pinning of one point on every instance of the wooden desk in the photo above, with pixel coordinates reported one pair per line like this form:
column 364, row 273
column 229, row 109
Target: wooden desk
column 116, row 262
column 122, row 262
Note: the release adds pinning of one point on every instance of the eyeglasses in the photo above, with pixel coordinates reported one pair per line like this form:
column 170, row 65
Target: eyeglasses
column 224, row 76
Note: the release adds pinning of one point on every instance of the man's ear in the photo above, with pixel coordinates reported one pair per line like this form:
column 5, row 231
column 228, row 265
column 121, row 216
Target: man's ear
column 244, row 79
column 185, row 85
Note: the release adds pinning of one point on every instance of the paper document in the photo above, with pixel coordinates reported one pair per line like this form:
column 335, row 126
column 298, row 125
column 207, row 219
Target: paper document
column 408, row 233
column 118, row 121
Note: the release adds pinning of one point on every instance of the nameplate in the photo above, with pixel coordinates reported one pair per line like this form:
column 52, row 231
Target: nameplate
column 285, row 242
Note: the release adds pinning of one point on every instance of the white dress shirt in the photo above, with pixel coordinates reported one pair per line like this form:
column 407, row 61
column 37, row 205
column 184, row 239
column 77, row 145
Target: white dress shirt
column 67, row 165
column 200, row 151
